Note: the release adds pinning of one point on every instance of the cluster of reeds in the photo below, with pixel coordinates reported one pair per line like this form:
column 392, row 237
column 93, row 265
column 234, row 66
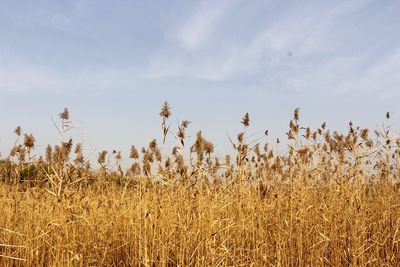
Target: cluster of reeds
column 331, row 199
column 320, row 155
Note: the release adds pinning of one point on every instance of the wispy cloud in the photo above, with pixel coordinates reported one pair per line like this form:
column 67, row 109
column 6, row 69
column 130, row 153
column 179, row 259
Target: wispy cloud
column 381, row 78
column 60, row 22
column 315, row 46
column 198, row 27
column 312, row 47
column 19, row 76
column 83, row 7
column 16, row 77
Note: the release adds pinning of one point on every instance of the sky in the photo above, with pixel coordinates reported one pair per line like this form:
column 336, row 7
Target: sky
column 114, row 63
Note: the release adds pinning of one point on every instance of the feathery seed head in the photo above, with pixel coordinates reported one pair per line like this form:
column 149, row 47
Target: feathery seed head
column 65, row 114
column 296, row 114
column 240, row 137
column 246, row 120
column 29, row 141
column 18, row 131
column 165, row 110
column 102, row 157
column 134, row 153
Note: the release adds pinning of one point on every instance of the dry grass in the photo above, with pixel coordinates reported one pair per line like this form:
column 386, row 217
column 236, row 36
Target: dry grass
column 331, row 200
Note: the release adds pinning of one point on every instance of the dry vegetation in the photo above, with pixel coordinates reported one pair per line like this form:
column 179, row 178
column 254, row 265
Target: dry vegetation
column 331, row 200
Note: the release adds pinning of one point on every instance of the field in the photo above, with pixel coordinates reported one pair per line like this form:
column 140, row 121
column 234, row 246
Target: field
column 331, row 200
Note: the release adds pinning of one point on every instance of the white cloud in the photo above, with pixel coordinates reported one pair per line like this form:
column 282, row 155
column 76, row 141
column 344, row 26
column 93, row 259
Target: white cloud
column 319, row 36
column 18, row 76
column 201, row 47
column 60, row 22
column 307, row 32
column 23, row 78
column 355, row 75
column 198, row 27
column 382, row 77
column 83, row 7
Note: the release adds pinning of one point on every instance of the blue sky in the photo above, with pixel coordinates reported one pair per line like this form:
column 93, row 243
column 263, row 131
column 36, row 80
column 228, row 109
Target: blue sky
column 113, row 63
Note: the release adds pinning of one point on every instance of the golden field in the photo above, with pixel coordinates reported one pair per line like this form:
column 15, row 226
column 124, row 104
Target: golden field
column 331, row 200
